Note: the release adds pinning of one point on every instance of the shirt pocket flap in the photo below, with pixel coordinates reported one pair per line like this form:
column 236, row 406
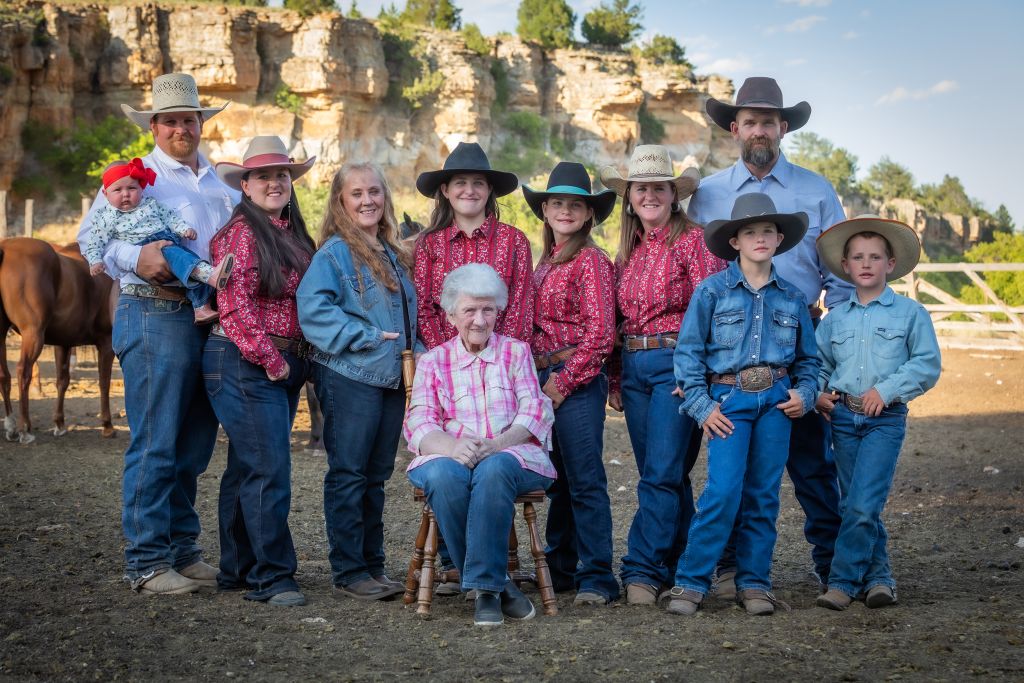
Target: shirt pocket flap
column 890, row 333
column 730, row 318
column 784, row 319
column 842, row 336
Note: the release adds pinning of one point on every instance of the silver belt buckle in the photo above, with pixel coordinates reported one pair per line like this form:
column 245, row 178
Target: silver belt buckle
column 855, row 403
column 757, row 378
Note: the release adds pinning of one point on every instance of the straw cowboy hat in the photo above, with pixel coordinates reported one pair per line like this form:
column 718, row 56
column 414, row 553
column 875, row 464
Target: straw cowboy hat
column 649, row 164
column 172, row 92
column 758, row 92
column 571, row 178
column 263, row 151
column 754, row 207
column 906, row 246
column 467, row 157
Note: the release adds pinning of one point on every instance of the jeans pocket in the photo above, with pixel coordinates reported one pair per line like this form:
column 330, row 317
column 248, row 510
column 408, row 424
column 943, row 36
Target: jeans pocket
column 213, row 369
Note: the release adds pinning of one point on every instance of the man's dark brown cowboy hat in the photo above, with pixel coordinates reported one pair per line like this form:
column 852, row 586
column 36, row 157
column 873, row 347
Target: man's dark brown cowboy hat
column 758, row 92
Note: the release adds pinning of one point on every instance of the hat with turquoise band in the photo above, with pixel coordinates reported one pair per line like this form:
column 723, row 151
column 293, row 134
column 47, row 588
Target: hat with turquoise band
column 570, row 178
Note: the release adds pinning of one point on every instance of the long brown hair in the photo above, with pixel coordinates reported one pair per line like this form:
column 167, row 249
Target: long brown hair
column 679, row 224
column 572, row 247
column 277, row 251
column 337, row 222
column 443, row 214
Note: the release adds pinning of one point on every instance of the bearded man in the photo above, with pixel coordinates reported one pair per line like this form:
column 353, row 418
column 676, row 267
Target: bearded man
column 160, row 349
column 758, row 122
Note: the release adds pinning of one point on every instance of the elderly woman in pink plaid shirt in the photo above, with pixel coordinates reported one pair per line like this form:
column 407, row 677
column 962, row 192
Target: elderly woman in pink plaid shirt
column 480, row 427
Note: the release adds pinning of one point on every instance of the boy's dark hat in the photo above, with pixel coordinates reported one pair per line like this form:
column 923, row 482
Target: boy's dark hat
column 754, row 207
column 571, row 178
column 758, row 92
column 906, row 245
column 467, row 157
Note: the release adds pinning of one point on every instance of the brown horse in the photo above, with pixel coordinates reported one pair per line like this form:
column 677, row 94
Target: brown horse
column 48, row 297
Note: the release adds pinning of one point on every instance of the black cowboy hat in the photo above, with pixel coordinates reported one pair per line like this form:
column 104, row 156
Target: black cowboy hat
column 571, row 178
column 467, row 157
column 754, row 207
column 758, row 92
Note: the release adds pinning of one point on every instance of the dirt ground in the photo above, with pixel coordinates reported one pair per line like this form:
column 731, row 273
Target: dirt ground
column 956, row 520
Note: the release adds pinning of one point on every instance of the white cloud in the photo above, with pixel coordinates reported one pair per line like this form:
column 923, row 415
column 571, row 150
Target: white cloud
column 901, row 93
column 808, row 3
column 801, row 25
column 729, row 65
column 851, row 35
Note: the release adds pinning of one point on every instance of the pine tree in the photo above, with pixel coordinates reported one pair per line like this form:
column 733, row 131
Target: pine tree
column 353, row 11
column 612, row 25
column 547, row 22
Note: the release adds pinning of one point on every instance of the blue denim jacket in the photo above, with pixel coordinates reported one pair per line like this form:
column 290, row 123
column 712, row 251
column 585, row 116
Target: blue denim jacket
column 889, row 344
column 729, row 327
column 344, row 319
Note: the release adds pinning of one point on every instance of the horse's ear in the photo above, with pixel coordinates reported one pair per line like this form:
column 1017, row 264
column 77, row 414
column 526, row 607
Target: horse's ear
column 406, row 219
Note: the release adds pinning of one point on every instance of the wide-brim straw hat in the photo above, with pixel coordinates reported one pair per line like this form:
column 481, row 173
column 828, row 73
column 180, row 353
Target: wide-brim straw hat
column 571, row 178
column 467, row 157
column 263, row 151
column 651, row 164
column 754, row 207
column 906, row 245
column 758, row 92
column 172, row 92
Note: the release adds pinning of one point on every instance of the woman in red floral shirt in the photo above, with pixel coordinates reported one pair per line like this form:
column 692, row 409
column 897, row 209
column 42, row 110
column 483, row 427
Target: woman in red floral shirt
column 662, row 258
column 253, row 371
column 573, row 334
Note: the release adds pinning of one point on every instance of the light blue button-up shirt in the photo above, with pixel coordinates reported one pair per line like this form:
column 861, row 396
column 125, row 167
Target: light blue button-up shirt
column 731, row 326
column 889, row 344
column 792, row 188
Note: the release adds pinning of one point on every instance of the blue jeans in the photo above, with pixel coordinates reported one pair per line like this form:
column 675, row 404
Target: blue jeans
column 665, row 445
column 812, row 469
column 256, row 549
column 579, row 523
column 173, row 431
column 745, row 468
column 362, row 424
column 867, row 449
column 474, row 510
column 182, row 262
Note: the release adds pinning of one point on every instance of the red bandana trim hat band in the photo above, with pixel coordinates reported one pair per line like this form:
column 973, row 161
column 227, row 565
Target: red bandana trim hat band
column 135, row 168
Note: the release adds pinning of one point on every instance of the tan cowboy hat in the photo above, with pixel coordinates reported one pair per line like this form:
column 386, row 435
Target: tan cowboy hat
column 172, row 92
column 754, row 207
column 758, row 92
column 263, row 151
column 649, row 164
column 906, row 245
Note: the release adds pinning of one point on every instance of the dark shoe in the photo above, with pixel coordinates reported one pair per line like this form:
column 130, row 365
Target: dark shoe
column 880, row 596
column 684, row 602
column 287, row 599
column 834, row 599
column 395, row 587
column 514, row 604
column 487, row 610
column 366, row 589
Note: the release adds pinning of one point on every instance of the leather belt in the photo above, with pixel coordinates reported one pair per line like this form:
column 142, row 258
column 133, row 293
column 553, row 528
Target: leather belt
column 155, row 292
column 754, row 378
column 543, row 361
column 299, row 347
column 856, row 403
column 639, row 342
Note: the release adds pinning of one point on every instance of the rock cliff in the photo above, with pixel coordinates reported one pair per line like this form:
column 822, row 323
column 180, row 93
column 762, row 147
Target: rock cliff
column 81, row 60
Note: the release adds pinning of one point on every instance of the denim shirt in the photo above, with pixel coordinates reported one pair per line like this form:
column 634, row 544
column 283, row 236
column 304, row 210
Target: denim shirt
column 792, row 188
column 730, row 326
column 889, row 344
column 344, row 319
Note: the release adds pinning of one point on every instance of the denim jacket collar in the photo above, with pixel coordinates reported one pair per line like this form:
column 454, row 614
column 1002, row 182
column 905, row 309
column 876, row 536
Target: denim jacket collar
column 782, row 171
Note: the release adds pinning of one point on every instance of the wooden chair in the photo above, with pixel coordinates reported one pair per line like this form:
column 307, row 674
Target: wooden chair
column 423, row 574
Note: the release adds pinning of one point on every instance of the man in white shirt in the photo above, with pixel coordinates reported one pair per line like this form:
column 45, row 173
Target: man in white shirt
column 160, row 349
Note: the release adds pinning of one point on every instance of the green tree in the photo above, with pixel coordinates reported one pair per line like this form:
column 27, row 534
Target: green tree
column 310, row 7
column 613, row 24
column 948, row 196
column 353, row 11
column 889, row 180
column 664, row 50
column 1004, row 248
column 821, row 156
column 548, row 22
column 437, row 13
column 1003, row 220
column 475, row 40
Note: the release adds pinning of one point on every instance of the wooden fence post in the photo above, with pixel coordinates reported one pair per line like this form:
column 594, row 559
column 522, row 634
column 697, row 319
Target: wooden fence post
column 30, row 209
column 3, row 214
column 86, row 204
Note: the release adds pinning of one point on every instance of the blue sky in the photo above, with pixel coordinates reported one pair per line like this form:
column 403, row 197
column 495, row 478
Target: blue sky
column 935, row 85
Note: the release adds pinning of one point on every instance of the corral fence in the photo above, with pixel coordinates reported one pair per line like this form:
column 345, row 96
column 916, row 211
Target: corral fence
column 993, row 325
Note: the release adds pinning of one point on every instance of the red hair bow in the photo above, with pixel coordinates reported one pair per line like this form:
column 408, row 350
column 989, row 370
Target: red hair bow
column 135, row 169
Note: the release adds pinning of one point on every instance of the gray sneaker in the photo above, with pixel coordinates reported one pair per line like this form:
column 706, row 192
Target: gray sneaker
column 287, row 599
column 487, row 610
column 515, row 605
